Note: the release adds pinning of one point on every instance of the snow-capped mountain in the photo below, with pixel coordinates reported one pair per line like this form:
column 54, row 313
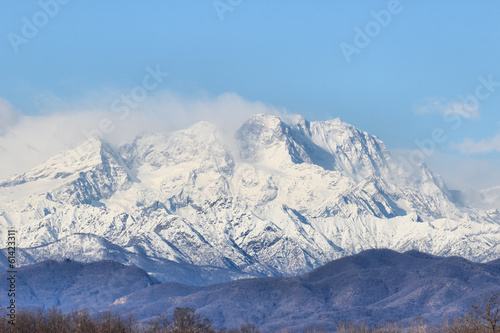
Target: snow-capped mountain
column 276, row 198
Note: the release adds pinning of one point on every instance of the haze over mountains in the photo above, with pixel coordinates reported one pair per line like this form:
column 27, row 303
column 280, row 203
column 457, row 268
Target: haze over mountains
column 277, row 199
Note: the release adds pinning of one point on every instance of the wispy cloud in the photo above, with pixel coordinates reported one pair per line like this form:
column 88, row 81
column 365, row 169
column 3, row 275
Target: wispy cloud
column 460, row 107
column 26, row 141
column 465, row 172
column 8, row 116
column 469, row 146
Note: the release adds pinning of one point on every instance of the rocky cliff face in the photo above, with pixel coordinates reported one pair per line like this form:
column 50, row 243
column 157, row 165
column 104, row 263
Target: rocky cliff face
column 277, row 198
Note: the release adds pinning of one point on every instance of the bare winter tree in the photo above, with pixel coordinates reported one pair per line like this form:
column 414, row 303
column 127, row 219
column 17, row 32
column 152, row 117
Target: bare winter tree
column 486, row 312
column 185, row 320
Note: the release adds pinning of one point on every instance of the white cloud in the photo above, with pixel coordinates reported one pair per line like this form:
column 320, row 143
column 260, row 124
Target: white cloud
column 459, row 107
column 460, row 172
column 469, row 146
column 26, row 141
column 8, row 116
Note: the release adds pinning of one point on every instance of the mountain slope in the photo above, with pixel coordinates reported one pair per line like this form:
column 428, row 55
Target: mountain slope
column 374, row 286
column 277, row 198
column 70, row 285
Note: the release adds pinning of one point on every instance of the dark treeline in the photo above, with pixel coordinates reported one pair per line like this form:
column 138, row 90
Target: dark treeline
column 184, row 320
column 483, row 317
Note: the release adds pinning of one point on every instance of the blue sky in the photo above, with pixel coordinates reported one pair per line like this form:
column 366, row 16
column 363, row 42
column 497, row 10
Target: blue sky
column 415, row 65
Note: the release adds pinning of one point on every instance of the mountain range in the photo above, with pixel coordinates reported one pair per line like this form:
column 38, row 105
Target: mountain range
column 201, row 206
column 374, row 286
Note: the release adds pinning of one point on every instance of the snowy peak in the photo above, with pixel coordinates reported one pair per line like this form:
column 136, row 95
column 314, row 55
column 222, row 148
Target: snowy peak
column 302, row 124
column 332, row 145
column 357, row 153
column 184, row 168
column 267, row 139
column 87, row 173
column 261, row 133
column 84, row 156
column 91, row 153
column 200, row 143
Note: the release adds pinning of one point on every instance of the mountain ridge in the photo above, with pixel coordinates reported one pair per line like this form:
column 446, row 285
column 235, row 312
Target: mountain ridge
column 277, row 198
column 374, row 286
